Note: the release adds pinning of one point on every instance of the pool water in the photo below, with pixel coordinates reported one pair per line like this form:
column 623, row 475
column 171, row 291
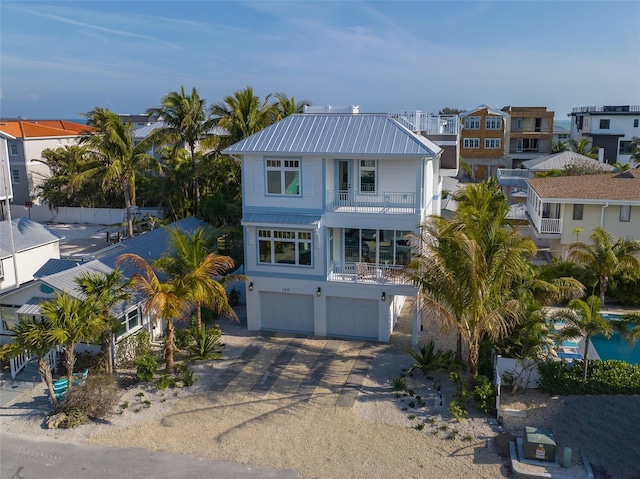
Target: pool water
column 616, row 347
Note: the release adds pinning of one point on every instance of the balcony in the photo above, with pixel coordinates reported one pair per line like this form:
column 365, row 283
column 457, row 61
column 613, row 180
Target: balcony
column 544, row 226
column 366, row 273
column 428, row 123
column 514, row 177
column 378, row 203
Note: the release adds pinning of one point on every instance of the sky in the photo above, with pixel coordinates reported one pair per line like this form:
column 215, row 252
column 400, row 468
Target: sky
column 60, row 59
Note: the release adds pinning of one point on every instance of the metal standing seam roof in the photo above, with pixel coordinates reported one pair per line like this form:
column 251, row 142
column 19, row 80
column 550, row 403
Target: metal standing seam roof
column 145, row 131
column 558, row 161
column 54, row 266
column 336, row 134
column 279, row 218
column 27, row 234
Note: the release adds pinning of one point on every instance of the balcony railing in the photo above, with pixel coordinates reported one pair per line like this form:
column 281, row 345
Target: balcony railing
column 368, row 273
column 544, row 225
column 381, row 203
column 607, row 109
column 428, row 123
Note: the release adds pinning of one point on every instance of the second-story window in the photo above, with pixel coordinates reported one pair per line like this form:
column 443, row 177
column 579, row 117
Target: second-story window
column 471, row 143
column 578, row 210
column 517, row 124
column 368, row 176
column 283, row 177
column 625, row 213
column 492, row 143
column 605, row 124
column 472, row 123
column 284, row 247
column 13, row 149
column 493, row 123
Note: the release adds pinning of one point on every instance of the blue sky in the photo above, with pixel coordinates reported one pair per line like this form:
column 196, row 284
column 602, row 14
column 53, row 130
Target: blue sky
column 59, row 59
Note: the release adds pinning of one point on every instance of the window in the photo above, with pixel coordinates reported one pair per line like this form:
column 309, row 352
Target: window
column 517, row 124
column 625, row 213
column 624, row 148
column 605, row 124
column 13, row 149
column 493, row 123
column 368, row 176
column 15, row 175
column 577, row 212
column 133, row 319
column 472, row 123
column 283, row 177
column 472, row 143
column 492, row 143
column 635, row 123
column 284, row 247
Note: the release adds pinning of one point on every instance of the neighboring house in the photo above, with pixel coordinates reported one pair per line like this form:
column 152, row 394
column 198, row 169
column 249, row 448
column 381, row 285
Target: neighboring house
column 24, row 248
column 6, row 192
column 328, row 200
column 609, row 128
column 26, row 140
column 556, row 206
column 485, row 143
column 514, row 181
column 60, row 275
column 560, row 134
column 529, row 132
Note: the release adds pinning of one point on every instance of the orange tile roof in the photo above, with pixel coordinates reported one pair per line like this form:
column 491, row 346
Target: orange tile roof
column 42, row 128
column 607, row 187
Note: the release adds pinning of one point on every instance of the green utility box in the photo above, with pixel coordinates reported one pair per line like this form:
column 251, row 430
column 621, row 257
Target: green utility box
column 539, row 444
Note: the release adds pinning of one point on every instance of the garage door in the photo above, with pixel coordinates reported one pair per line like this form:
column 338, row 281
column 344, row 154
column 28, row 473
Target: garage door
column 287, row 312
column 352, row 318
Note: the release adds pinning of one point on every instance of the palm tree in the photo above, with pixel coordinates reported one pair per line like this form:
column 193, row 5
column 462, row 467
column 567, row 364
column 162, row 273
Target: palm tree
column 583, row 147
column 71, row 321
column 465, row 288
column 186, row 122
column 33, row 336
column 286, row 106
column 634, row 148
column 606, row 257
column 629, row 326
column 583, row 320
column 243, row 114
column 166, row 300
column 199, row 271
column 560, row 146
column 115, row 157
column 105, row 290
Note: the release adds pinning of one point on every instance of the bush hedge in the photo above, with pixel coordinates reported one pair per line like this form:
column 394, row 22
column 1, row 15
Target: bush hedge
column 603, row 377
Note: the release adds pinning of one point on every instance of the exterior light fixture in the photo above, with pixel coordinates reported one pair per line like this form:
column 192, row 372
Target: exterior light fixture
column 319, row 292
column 251, row 286
column 383, row 297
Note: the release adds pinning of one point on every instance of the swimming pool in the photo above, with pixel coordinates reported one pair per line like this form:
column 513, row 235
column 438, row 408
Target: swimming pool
column 616, row 347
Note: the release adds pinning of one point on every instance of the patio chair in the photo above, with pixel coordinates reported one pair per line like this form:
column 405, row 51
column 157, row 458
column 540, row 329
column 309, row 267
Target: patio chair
column 60, row 387
column 80, row 379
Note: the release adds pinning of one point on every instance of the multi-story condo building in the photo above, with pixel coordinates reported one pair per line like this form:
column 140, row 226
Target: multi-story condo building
column 529, row 132
column 484, row 143
column 609, row 128
column 328, row 201
column 26, row 140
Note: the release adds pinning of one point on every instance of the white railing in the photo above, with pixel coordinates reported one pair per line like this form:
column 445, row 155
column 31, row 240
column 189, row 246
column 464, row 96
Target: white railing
column 544, row 225
column 607, row 109
column 369, row 273
column 18, row 363
column 355, row 202
column 427, row 122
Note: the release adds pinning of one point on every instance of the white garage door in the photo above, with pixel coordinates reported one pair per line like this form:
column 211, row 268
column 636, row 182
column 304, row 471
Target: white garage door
column 287, row 312
column 352, row 318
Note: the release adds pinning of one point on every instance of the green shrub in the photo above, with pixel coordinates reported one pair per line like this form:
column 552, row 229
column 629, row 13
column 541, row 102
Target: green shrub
column 182, row 338
column 133, row 347
column 428, row 359
column 205, row 343
column 146, row 367
column 603, row 377
column 484, row 394
column 458, row 409
column 233, row 297
column 96, row 399
column 399, row 385
column 186, row 375
column 165, row 381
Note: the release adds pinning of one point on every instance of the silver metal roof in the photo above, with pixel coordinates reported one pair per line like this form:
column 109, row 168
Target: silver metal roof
column 54, row 266
column 27, row 234
column 279, row 218
column 336, row 134
column 558, row 161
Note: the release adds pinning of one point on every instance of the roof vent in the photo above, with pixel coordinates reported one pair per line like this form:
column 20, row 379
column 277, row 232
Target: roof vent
column 626, row 174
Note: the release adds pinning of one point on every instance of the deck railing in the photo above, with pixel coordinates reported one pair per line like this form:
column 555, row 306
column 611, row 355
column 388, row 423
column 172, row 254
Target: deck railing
column 544, row 225
column 369, row 273
column 356, row 202
column 427, row 122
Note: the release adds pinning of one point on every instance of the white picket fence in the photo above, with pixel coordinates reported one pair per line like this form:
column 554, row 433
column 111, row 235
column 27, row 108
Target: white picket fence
column 18, row 363
column 72, row 215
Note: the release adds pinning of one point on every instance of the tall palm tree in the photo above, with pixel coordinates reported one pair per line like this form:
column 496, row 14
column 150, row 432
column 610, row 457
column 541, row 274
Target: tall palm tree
column 200, row 272
column 243, row 114
column 464, row 287
column 105, row 290
column 634, row 148
column 31, row 335
column 583, row 320
column 583, row 147
column 606, row 257
column 560, row 146
column 116, row 158
column 186, row 121
column 166, row 300
column 286, row 106
column 71, row 321
column 629, row 326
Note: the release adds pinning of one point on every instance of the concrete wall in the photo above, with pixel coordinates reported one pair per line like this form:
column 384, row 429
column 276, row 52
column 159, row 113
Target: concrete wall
column 97, row 216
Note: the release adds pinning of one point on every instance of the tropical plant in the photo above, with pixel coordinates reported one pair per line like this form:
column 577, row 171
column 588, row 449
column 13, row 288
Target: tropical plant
column 583, row 147
column 583, row 320
column 105, row 290
column 166, row 300
column 71, row 320
column 628, row 326
column 205, row 343
column 115, row 157
column 634, row 148
column 427, row 359
column 33, row 336
column 286, row 106
column 186, row 121
column 607, row 257
column 560, row 146
column 243, row 114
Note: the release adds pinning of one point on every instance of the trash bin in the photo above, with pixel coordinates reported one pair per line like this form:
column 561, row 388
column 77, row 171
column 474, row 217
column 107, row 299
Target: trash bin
column 566, row 457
